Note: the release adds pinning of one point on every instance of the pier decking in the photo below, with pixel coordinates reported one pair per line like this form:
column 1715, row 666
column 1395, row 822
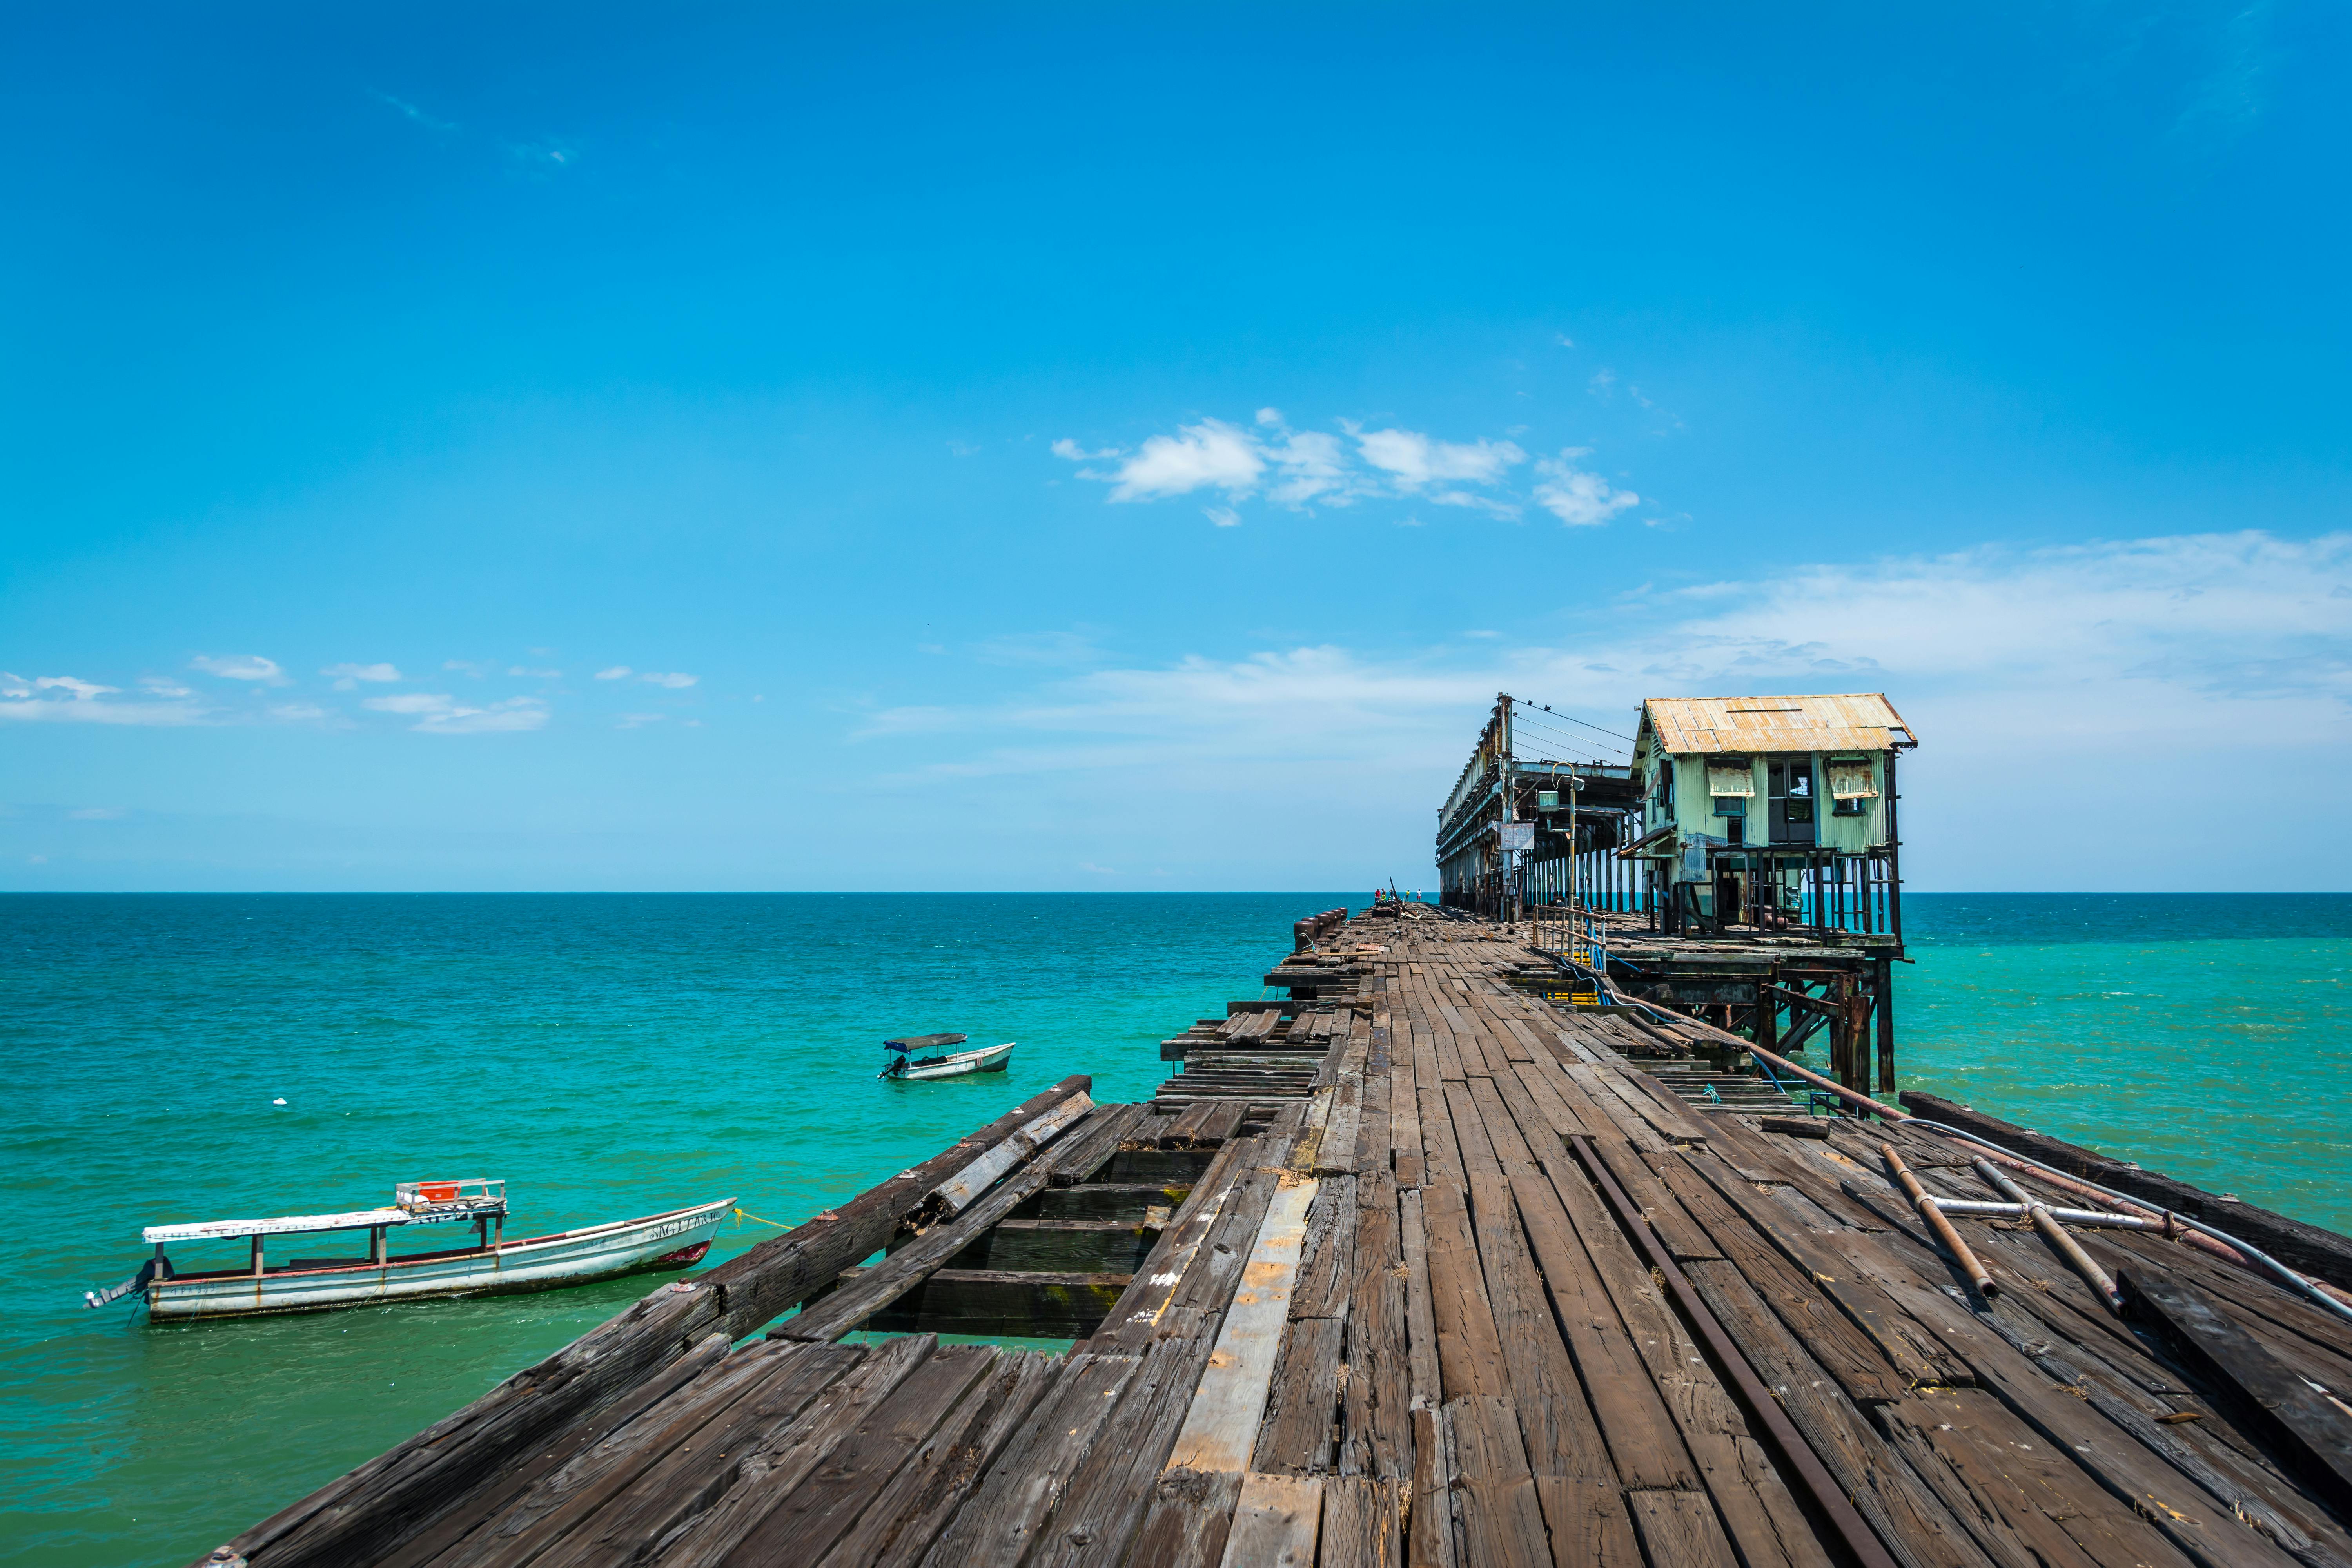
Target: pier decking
column 1417, row 1265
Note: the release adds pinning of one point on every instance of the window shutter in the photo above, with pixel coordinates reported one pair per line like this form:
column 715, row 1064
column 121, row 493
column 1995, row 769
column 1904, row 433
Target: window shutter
column 1851, row 781
column 1730, row 780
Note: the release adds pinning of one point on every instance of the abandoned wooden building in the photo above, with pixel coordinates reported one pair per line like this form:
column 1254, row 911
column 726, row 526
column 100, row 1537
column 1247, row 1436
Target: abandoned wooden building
column 1745, row 867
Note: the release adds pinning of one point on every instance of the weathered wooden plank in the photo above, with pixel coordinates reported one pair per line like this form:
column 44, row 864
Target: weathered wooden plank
column 1079, row 1154
column 1376, row 1423
column 2142, row 1479
column 1859, row 1362
column 1540, row 1084
column 582, row 1445
column 1009, row 1509
column 1561, row 1437
column 1191, row 1512
column 2022, row 1500
column 2308, row 1431
column 1641, row 1436
column 1275, row 1521
column 1325, row 1277
column 1062, row 1246
column 1363, row 1523
column 783, row 1271
column 1440, row 1149
column 1100, row 1200
column 1430, row 1540
column 1512, row 1151
column 1006, row 1302
column 377, row 1505
column 1469, row 1353
column 1222, row 1424
column 1913, row 1526
column 560, row 1502
column 1495, row 1503
column 909, row 1512
column 1131, row 1318
column 821, row 1509
column 1104, row 1505
column 957, row 1192
column 1300, row 1429
column 1681, row 1529
column 1424, row 1389
column 1602, row 1096
column 907, row 1269
column 723, row 1485
column 1661, row 1208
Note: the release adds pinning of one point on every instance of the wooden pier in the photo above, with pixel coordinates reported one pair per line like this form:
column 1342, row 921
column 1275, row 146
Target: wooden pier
column 1418, row 1265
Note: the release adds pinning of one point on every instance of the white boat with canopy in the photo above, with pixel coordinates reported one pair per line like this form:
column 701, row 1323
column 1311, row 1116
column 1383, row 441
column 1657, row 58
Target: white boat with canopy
column 906, row 1064
column 491, row 1264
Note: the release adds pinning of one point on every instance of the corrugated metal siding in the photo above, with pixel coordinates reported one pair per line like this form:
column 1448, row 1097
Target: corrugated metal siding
column 1852, row 721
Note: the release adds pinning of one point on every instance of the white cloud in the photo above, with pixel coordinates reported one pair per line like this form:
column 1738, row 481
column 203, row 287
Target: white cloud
column 443, row 714
column 963, row 449
column 1209, row 454
column 1412, row 459
column 674, row 681
column 1578, row 498
column 68, row 700
column 347, row 677
column 158, row 686
column 1222, row 516
column 535, row 674
column 298, row 712
column 1488, row 504
column 2226, row 656
column 618, row 672
column 1305, row 468
column 240, row 666
column 1313, row 466
column 638, row 720
column 473, row 667
column 81, row 690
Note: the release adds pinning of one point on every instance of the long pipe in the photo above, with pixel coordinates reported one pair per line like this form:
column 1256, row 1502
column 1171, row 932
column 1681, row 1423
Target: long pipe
column 2196, row 1233
column 2095, row 1217
column 2055, row 1234
column 1924, row 1202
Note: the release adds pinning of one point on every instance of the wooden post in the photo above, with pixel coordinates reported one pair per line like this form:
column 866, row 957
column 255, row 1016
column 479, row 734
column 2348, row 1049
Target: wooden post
column 375, row 1245
column 1881, row 984
column 1767, row 1032
column 256, row 1257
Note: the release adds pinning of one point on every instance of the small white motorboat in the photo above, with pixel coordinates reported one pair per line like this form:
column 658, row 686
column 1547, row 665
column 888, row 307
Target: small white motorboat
column 493, row 1265
column 905, row 1064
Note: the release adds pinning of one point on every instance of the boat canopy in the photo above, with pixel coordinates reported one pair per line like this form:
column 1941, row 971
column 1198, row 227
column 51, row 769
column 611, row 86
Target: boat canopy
column 416, row 1202
column 284, row 1225
column 926, row 1042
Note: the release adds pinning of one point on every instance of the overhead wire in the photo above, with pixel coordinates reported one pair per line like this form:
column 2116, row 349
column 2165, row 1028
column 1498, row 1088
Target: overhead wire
column 1561, row 734
column 1571, row 718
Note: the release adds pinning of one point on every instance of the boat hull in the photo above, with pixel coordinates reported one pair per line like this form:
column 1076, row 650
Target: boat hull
column 995, row 1058
column 672, row 1240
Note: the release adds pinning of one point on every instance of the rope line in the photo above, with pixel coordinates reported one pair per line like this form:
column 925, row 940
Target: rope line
column 741, row 1217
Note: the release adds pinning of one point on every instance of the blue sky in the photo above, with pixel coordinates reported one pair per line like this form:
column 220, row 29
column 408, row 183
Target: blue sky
column 1126, row 448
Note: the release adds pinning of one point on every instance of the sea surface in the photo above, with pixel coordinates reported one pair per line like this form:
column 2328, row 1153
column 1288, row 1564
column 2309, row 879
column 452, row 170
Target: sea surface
column 615, row 1054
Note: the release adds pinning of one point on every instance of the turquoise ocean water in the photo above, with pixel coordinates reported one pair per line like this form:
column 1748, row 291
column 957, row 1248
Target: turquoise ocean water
column 614, row 1055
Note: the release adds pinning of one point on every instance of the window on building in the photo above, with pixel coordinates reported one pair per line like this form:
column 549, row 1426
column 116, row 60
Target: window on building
column 1735, row 830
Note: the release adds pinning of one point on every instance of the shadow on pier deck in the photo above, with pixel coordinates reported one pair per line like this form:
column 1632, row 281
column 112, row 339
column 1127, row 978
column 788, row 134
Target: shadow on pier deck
column 1416, row 1266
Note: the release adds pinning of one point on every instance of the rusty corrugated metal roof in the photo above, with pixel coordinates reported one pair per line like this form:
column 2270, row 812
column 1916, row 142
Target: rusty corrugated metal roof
column 1853, row 722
